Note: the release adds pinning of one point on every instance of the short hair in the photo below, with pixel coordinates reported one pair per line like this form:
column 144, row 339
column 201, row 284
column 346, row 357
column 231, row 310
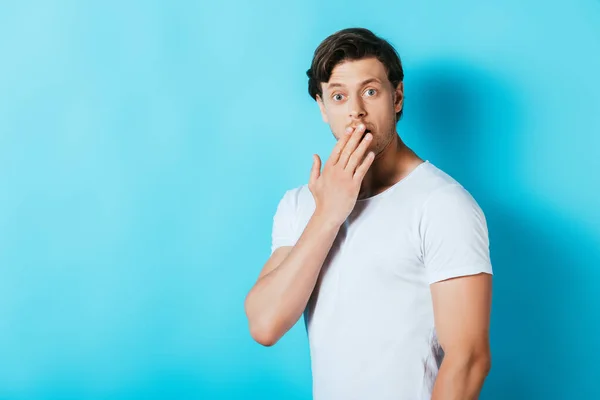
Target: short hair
column 348, row 45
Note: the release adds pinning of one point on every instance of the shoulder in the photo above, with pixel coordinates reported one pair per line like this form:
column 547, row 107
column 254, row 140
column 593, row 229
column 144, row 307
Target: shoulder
column 450, row 210
column 439, row 189
column 297, row 195
column 296, row 199
column 432, row 178
column 445, row 205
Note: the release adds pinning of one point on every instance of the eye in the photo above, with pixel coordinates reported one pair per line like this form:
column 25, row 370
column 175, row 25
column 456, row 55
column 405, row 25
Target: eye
column 371, row 92
column 338, row 97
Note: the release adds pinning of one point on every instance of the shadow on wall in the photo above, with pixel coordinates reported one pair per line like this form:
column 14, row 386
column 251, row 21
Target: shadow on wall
column 545, row 327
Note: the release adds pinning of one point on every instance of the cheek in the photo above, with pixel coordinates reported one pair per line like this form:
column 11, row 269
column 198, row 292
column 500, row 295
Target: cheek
column 337, row 132
column 337, row 123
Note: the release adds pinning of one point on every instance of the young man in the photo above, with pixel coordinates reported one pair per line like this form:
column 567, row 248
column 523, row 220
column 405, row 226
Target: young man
column 385, row 255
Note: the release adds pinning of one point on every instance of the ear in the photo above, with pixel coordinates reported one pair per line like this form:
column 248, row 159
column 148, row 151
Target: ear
column 322, row 108
column 399, row 97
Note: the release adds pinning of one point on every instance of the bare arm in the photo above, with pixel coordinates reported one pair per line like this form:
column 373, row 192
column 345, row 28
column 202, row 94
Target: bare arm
column 462, row 318
column 281, row 293
column 279, row 298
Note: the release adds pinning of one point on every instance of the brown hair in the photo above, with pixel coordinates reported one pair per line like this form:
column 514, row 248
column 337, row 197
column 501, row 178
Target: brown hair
column 352, row 44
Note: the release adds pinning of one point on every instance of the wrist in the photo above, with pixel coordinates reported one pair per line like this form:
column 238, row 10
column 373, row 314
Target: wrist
column 326, row 219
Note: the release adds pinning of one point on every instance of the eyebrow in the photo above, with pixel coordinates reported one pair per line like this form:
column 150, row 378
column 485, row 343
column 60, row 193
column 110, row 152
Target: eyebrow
column 336, row 84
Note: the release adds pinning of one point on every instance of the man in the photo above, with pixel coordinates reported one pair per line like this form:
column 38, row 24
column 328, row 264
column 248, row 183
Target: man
column 385, row 255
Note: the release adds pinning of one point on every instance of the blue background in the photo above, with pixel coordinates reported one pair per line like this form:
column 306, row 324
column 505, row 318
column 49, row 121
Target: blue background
column 144, row 147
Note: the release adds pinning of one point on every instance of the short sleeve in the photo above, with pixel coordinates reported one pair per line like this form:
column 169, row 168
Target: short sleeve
column 454, row 235
column 284, row 222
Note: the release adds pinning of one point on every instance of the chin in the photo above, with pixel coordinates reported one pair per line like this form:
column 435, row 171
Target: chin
column 378, row 151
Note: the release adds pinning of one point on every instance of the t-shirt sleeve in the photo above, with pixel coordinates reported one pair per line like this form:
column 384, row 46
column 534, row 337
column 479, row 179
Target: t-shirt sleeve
column 284, row 222
column 454, row 235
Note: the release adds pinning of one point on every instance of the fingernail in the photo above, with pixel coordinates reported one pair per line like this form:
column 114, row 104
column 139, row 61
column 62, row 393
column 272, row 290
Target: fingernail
column 361, row 127
column 349, row 129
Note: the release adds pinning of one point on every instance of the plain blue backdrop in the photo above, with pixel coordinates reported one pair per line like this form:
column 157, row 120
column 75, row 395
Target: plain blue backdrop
column 144, row 147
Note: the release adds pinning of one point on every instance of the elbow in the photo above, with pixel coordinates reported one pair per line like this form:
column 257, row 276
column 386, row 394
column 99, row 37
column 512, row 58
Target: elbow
column 484, row 364
column 481, row 359
column 480, row 365
column 474, row 365
column 263, row 334
column 262, row 329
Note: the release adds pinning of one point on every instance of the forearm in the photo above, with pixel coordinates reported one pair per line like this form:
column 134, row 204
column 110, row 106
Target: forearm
column 461, row 378
column 279, row 298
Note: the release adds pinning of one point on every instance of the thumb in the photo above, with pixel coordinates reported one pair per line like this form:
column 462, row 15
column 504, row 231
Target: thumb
column 315, row 171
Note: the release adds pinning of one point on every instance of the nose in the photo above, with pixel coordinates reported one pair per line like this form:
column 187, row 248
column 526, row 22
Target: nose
column 357, row 108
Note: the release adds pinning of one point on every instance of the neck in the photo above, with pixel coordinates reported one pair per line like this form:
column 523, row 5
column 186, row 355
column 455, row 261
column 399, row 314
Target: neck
column 394, row 163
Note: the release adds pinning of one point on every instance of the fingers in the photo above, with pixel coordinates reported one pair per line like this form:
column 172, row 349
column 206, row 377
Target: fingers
column 315, row 171
column 362, row 169
column 351, row 146
column 337, row 149
column 359, row 154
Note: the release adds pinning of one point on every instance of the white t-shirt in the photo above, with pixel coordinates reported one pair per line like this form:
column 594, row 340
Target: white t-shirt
column 370, row 318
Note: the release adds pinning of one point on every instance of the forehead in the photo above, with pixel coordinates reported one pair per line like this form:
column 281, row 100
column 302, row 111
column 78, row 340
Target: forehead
column 353, row 72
